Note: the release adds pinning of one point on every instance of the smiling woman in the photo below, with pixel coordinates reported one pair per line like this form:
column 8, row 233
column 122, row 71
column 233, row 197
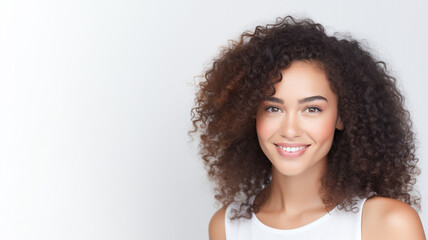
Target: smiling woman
column 306, row 137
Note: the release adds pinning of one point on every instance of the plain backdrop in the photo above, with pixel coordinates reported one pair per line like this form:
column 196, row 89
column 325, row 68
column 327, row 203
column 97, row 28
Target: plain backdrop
column 95, row 100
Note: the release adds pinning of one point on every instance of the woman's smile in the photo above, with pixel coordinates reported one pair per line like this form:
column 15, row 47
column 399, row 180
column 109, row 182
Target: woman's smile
column 291, row 150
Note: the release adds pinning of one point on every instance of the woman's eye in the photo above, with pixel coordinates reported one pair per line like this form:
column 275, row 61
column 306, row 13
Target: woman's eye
column 312, row 110
column 273, row 109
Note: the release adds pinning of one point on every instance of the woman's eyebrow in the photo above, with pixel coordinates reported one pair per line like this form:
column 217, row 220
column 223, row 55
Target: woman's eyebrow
column 300, row 101
column 312, row 98
column 274, row 99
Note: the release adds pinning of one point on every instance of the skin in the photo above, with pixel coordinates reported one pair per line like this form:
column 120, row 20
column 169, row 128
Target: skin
column 303, row 111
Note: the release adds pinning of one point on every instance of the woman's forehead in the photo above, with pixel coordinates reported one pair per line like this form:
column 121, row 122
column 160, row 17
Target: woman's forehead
column 303, row 79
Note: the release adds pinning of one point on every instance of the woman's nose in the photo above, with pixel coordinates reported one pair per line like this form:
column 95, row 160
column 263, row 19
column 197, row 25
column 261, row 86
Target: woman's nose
column 290, row 127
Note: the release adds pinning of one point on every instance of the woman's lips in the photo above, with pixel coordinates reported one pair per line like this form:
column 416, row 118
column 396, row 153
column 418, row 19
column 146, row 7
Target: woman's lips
column 291, row 150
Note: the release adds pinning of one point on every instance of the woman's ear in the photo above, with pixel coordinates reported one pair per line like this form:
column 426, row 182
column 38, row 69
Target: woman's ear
column 339, row 124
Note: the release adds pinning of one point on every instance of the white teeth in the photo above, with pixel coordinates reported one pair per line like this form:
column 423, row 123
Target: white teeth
column 292, row 149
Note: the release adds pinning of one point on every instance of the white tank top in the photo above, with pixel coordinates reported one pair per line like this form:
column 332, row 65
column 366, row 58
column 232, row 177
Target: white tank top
column 335, row 225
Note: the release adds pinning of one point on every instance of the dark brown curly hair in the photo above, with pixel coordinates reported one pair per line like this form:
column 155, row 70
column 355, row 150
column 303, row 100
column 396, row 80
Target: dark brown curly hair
column 373, row 155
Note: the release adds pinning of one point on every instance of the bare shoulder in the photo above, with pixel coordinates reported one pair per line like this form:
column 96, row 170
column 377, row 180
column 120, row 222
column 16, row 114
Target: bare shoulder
column 385, row 218
column 217, row 230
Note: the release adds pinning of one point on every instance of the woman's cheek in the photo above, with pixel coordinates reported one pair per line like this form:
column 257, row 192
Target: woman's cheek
column 323, row 129
column 266, row 126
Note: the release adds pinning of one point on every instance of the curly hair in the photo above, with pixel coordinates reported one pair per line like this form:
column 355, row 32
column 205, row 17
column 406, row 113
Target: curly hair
column 373, row 154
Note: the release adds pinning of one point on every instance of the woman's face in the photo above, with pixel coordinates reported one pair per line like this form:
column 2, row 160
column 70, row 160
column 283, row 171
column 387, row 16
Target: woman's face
column 296, row 125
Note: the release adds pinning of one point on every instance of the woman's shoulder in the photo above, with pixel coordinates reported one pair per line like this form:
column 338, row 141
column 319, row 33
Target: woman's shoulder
column 217, row 229
column 385, row 218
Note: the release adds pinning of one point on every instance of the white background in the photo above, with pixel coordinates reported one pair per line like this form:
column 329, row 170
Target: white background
column 95, row 100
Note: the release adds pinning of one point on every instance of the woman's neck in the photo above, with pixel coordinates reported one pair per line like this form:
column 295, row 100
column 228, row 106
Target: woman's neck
column 294, row 193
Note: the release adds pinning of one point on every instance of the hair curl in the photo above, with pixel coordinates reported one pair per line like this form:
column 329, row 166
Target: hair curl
column 373, row 154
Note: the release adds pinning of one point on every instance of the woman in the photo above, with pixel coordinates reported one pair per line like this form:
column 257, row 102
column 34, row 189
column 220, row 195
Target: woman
column 306, row 137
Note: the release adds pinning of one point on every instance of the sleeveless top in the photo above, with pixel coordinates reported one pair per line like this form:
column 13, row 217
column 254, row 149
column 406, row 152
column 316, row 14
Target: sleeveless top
column 335, row 225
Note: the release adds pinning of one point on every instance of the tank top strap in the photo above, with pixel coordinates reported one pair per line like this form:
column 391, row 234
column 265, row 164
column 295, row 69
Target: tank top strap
column 360, row 205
